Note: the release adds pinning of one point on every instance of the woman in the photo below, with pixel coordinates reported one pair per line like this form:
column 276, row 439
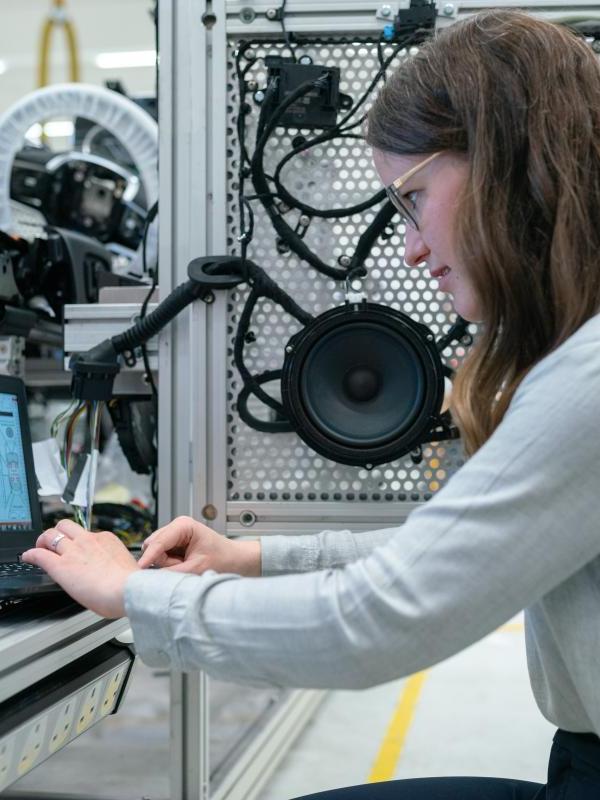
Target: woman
column 489, row 143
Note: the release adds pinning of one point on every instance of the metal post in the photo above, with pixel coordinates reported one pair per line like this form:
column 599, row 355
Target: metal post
column 182, row 119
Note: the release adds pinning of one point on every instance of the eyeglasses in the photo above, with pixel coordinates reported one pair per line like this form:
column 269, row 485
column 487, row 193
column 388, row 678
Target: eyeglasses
column 395, row 197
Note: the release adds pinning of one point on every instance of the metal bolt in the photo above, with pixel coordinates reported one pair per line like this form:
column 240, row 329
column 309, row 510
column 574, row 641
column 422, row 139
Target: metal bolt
column 259, row 96
column 344, row 261
column 247, row 15
column 305, row 59
column 209, row 298
column 368, row 466
column 448, row 9
column 247, row 518
column 289, row 348
column 385, row 11
column 271, row 13
column 304, row 220
column 252, row 86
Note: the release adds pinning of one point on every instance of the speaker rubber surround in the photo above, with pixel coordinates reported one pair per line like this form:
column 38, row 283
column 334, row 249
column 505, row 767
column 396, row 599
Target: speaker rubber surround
column 363, row 384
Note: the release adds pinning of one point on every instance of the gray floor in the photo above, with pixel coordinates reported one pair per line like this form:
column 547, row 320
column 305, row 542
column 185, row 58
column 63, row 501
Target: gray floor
column 474, row 715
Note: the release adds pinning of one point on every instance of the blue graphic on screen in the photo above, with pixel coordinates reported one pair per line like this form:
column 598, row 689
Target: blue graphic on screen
column 15, row 511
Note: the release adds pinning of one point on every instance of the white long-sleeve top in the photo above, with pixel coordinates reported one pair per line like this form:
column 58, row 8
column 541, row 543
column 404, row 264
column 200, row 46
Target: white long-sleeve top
column 517, row 527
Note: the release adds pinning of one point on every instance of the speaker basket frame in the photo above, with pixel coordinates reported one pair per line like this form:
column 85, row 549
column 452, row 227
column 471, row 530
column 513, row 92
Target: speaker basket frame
column 421, row 341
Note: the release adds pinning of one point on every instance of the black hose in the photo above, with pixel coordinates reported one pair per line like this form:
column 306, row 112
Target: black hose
column 149, row 326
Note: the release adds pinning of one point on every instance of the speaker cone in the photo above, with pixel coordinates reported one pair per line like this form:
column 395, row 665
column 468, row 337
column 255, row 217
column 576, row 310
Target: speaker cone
column 362, row 384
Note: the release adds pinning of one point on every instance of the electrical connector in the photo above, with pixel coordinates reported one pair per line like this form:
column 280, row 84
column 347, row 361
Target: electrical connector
column 420, row 16
column 94, row 372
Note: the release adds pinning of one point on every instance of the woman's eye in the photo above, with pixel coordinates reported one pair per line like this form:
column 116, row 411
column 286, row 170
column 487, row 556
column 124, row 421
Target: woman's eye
column 412, row 199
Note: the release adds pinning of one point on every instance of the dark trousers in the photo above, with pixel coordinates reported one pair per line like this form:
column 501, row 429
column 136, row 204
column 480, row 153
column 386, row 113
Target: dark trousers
column 573, row 774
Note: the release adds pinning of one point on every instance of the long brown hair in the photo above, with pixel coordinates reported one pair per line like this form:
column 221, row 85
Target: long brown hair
column 521, row 97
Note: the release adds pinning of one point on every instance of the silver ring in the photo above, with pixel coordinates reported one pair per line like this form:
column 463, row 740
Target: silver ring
column 56, row 540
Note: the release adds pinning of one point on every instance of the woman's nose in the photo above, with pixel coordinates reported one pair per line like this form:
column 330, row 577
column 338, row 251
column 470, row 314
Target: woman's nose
column 415, row 249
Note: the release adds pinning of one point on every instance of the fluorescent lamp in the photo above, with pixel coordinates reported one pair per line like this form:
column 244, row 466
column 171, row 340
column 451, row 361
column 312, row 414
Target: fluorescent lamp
column 123, row 59
column 58, row 129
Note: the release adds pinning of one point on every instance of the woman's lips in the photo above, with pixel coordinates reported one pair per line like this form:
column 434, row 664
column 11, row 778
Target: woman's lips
column 441, row 275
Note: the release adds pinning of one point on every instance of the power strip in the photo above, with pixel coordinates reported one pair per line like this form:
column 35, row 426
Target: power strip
column 43, row 719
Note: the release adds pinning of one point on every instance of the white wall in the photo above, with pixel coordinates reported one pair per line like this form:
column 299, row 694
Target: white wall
column 100, row 25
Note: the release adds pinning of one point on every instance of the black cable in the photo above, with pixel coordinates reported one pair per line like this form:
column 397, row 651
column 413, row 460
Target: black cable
column 149, row 326
column 149, row 219
column 150, row 377
column 286, row 233
column 261, row 284
column 338, row 132
column 286, row 34
column 330, row 213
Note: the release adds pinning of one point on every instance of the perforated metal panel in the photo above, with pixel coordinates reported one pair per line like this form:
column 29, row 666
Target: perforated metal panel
column 280, row 467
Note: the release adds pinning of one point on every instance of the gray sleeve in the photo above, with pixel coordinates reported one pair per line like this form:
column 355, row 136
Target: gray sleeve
column 284, row 555
column 517, row 520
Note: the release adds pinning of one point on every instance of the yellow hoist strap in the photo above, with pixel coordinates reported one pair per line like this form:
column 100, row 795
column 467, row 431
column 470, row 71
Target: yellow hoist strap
column 57, row 19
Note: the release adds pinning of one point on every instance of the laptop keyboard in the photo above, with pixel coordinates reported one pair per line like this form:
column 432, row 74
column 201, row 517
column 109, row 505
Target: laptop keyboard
column 19, row 568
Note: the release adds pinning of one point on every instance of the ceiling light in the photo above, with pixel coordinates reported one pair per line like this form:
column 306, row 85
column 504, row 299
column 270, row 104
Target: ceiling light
column 123, row 59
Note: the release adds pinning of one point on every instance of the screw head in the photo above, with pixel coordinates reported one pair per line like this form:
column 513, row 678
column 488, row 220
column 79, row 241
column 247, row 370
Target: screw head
column 252, row 86
column 289, row 348
column 344, row 261
column 209, row 512
column 271, row 13
column 259, row 96
column 304, row 220
column 247, row 15
column 305, row 59
column 448, row 9
column 385, row 11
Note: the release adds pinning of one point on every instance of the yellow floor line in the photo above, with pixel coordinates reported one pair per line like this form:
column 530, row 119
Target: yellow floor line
column 511, row 627
column 384, row 766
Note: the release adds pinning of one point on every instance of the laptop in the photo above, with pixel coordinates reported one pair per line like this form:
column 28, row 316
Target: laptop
column 20, row 517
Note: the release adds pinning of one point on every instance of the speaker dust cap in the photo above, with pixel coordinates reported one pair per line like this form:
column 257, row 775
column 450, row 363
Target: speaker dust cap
column 362, row 384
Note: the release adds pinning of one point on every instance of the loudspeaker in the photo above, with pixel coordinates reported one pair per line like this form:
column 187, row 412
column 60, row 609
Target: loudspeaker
column 363, row 384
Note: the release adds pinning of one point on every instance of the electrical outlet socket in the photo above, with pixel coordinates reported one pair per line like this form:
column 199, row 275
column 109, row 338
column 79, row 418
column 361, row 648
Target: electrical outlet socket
column 32, row 749
column 7, row 746
column 63, row 726
column 89, row 707
column 112, row 691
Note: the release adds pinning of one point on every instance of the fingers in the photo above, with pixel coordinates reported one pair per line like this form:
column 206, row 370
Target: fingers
column 154, row 555
column 39, row 557
column 70, row 528
column 53, row 539
column 176, row 534
column 66, row 527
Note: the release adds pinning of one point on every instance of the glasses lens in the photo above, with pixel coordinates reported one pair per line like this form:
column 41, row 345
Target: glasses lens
column 400, row 206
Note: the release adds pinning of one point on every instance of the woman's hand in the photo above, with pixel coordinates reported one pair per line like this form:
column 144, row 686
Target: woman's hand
column 186, row 545
column 91, row 567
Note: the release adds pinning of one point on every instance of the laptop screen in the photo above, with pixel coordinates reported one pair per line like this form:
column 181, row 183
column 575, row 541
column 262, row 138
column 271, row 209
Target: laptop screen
column 15, row 508
column 20, row 519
